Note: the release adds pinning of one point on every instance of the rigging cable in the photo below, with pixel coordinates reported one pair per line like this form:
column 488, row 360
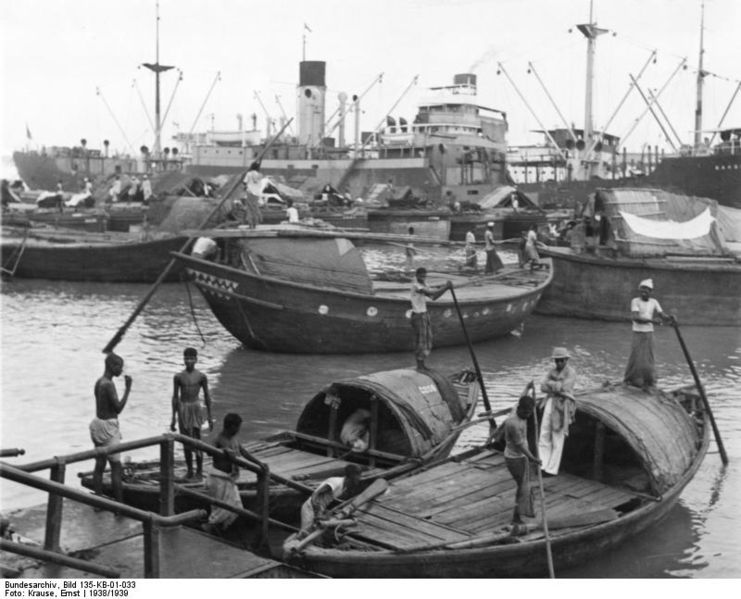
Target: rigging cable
column 193, row 313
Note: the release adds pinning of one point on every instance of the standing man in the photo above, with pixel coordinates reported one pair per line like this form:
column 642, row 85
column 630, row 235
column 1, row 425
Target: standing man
column 146, row 189
column 116, row 189
column 188, row 409
column 517, row 457
column 641, row 371
column 409, row 250
column 558, row 411
column 493, row 261
column 420, row 317
column 104, row 429
column 470, row 250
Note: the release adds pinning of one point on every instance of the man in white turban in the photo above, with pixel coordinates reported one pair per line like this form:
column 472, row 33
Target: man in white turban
column 641, row 371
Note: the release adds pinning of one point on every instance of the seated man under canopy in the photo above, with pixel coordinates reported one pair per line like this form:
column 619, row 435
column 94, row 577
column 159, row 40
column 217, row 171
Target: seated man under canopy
column 355, row 431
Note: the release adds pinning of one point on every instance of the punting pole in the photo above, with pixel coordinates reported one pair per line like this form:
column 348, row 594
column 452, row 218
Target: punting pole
column 485, row 397
column 115, row 340
column 549, row 553
column 701, row 391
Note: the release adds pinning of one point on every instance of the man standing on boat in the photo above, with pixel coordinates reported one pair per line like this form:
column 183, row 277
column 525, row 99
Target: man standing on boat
column 641, row 371
column 104, row 429
column 146, row 189
column 420, row 317
column 517, row 457
column 493, row 261
column 558, row 411
column 252, row 183
column 470, row 250
column 187, row 408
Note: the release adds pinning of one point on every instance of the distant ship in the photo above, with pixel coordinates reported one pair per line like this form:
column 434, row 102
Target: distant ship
column 573, row 163
column 453, row 149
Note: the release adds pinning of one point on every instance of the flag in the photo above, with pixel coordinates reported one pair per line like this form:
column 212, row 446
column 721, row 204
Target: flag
column 28, row 132
column 307, row 28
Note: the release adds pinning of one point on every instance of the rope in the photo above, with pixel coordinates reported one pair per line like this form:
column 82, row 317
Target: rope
column 193, row 313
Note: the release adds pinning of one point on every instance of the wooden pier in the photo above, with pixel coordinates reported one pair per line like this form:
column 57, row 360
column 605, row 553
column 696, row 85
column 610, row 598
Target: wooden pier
column 78, row 534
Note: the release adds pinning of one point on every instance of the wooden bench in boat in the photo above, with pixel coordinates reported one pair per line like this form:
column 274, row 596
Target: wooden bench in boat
column 458, row 501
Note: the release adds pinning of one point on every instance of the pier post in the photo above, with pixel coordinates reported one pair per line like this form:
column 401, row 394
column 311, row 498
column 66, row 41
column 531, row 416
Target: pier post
column 334, row 408
column 263, row 497
column 54, row 508
column 167, row 476
column 599, row 451
column 373, row 428
column 151, row 549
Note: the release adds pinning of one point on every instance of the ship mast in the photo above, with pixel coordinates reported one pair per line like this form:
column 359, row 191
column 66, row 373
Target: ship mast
column 700, row 78
column 157, row 68
column 590, row 31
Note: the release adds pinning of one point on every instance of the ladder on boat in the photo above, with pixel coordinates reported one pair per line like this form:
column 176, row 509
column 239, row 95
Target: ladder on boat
column 15, row 257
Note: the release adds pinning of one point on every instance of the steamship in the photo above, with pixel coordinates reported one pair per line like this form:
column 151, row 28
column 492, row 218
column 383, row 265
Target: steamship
column 453, row 148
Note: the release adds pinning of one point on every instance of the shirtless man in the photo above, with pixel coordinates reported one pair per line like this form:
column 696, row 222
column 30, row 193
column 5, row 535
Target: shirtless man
column 187, row 407
column 104, row 430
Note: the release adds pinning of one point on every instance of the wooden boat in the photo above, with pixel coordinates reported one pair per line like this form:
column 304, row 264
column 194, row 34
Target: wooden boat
column 415, row 417
column 428, row 222
column 698, row 278
column 99, row 257
column 627, row 458
column 314, row 295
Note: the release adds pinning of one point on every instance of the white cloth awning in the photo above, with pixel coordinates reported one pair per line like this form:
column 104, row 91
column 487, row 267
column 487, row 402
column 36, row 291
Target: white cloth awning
column 669, row 229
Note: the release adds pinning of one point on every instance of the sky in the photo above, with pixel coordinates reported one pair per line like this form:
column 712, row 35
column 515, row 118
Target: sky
column 55, row 54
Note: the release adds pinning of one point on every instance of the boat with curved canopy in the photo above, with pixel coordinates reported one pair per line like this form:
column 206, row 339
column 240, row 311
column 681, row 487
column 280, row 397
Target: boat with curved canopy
column 628, row 456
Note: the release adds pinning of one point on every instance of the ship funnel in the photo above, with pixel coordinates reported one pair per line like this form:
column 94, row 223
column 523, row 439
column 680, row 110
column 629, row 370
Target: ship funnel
column 310, row 97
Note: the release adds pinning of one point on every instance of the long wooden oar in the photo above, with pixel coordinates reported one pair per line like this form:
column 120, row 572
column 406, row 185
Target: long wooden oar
column 116, row 339
column 701, row 391
column 546, row 533
column 484, row 396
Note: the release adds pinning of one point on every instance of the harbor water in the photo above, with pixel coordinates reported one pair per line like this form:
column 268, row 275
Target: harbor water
column 53, row 334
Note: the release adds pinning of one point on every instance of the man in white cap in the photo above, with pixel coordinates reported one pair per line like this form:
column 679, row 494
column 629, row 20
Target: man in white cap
column 493, row 261
column 558, row 411
column 644, row 309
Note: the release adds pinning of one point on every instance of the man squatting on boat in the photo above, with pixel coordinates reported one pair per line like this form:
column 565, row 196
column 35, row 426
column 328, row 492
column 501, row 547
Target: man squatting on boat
column 420, row 317
column 104, row 428
column 223, row 474
column 332, row 489
column 641, row 370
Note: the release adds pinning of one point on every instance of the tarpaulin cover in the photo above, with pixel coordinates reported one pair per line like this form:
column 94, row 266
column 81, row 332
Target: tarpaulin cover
column 334, row 263
column 501, row 198
column 419, row 406
column 655, row 426
column 652, row 222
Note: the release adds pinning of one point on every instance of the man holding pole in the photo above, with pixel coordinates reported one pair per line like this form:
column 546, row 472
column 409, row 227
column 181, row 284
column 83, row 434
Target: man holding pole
column 641, row 371
column 421, row 324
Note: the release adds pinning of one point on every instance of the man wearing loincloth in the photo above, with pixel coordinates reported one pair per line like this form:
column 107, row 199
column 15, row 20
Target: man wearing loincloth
column 187, row 408
column 104, row 429
column 420, row 317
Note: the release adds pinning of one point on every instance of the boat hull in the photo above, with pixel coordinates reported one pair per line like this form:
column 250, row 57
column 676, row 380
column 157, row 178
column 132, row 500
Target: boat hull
column 518, row 558
column 279, row 316
column 138, row 262
column 700, row 291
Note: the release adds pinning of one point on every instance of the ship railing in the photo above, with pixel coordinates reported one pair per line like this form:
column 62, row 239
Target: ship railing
column 151, row 522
